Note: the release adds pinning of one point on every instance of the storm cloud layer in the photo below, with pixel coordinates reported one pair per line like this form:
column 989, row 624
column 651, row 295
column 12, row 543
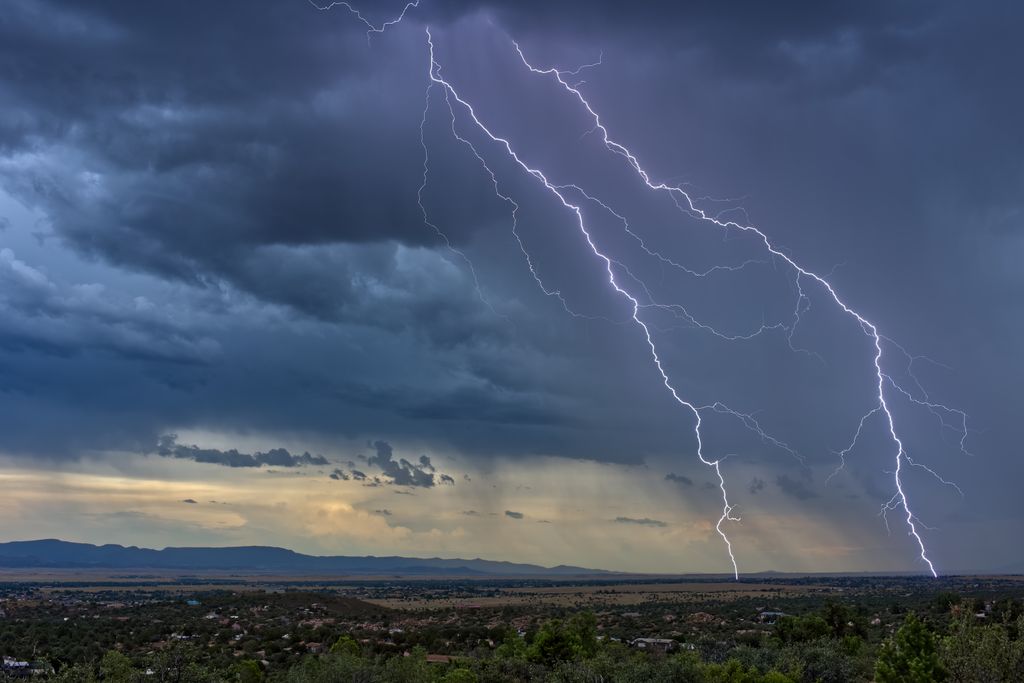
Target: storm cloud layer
column 209, row 224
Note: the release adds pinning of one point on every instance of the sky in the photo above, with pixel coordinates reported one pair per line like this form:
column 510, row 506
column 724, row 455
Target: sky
column 258, row 284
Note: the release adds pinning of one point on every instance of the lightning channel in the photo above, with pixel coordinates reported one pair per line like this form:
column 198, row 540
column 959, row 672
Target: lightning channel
column 727, row 508
column 687, row 205
column 614, row 268
column 371, row 28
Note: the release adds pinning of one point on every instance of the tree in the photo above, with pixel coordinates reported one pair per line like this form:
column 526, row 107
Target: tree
column 910, row 656
column 346, row 645
column 248, row 671
column 117, row 668
column 974, row 653
column 79, row 673
column 459, row 676
column 801, row 629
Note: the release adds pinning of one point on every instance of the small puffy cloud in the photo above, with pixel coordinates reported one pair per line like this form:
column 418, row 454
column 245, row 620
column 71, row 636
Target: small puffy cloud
column 471, row 513
column 642, row 521
column 168, row 447
column 757, row 485
column 383, row 512
column 514, row 515
column 400, row 472
column 190, row 501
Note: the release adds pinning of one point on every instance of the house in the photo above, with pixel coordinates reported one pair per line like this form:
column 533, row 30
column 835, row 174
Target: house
column 10, row 664
column 438, row 659
column 16, row 668
column 654, row 644
column 770, row 617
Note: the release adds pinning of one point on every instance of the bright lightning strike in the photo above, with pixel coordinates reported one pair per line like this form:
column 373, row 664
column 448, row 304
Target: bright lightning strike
column 640, row 300
column 370, row 27
column 687, row 205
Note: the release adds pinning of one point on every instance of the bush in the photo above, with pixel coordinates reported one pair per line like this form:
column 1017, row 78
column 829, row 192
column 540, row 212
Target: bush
column 910, row 656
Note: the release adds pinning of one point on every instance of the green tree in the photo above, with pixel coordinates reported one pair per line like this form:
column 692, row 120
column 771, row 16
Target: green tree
column 976, row 654
column 733, row 671
column 460, row 676
column 559, row 641
column 79, row 673
column 117, row 668
column 910, row 656
column 248, row 671
column 407, row 669
column 801, row 629
column 346, row 645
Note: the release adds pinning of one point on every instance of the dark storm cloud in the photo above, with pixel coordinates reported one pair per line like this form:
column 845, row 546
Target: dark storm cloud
column 514, row 515
column 401, row 471
column 275, row 457
column 190, row 501
column 642, row 521
column 757, row 485
column 43, row 316
column 679, row 479
column 794, row 488
column 266, row 177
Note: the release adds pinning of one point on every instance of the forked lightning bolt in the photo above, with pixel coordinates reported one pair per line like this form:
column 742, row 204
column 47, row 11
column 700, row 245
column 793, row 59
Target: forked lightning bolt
column 370, row 27
column 621, row 279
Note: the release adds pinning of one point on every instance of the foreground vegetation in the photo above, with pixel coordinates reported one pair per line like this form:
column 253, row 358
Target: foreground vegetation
column 890, row 631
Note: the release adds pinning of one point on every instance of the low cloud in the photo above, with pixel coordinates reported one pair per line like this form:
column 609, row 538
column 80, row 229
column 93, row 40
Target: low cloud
column 794, row 488
column 169, row 447
column 514, row 515
column 190, row 501
column 642, row 521
column 400, row 472
column 679, row 479
column 757, row 485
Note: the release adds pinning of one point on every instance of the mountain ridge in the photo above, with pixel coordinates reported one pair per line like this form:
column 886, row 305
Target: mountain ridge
column 55, row 553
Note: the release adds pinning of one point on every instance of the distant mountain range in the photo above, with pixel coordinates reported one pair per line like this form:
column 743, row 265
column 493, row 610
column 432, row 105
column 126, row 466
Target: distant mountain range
column 52, row 553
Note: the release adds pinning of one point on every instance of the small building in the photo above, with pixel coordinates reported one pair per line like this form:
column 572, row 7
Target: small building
column 654, row 644
column 770, row 617
column 438, row 659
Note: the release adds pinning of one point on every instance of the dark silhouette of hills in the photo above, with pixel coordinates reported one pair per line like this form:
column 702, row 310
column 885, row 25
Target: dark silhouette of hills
column 52, row 553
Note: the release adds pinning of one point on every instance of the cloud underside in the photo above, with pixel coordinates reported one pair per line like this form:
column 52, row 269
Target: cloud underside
column 641, row 521
column 231, row 243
